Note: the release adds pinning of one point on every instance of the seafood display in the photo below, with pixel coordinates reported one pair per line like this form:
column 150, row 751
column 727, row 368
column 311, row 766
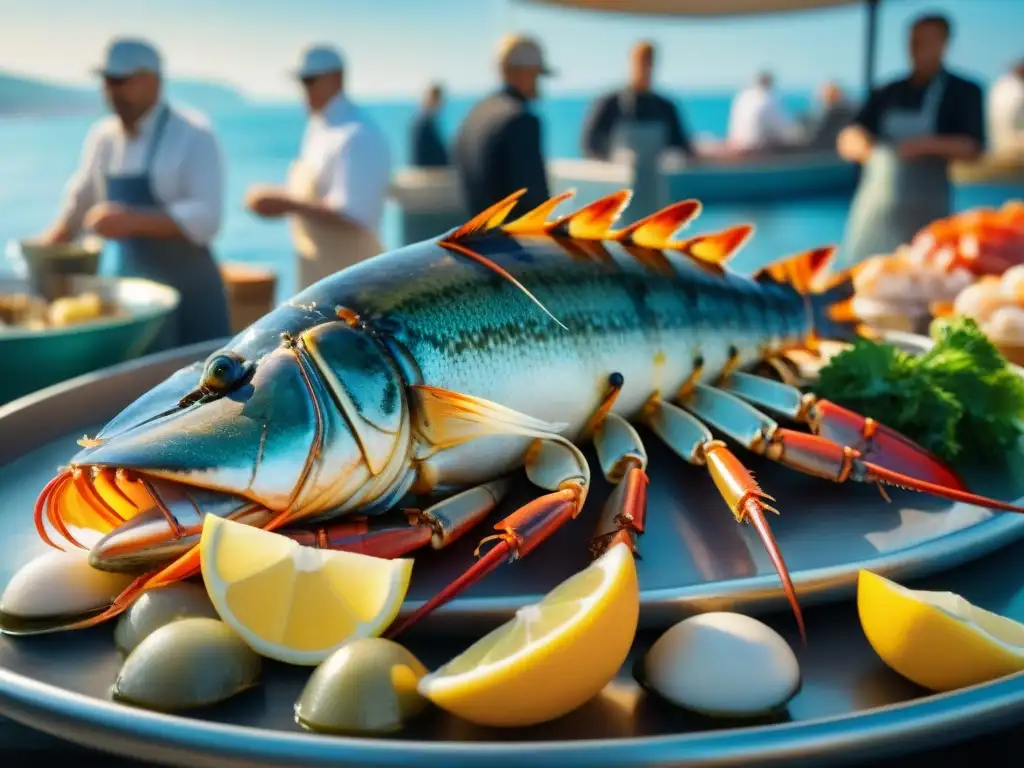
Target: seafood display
column 385, row 409
column 899, row 293
column 996, row 304
column 22, row 311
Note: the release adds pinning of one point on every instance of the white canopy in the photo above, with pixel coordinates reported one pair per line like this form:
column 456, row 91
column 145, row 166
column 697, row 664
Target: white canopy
column 713, row 8
column 695, row 7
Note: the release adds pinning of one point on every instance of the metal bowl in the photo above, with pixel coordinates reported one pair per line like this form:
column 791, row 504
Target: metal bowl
column 50, row 269
column 37, row 358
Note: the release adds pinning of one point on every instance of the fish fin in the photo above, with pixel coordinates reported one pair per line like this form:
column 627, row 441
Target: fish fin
column 799, row 271
column 486, row 220
column 716, row 248
column 656, row 230
column 498, row 269
column 824, row 281
column 445, row 418
column 535, row 222
column 833, row 316
column 594, row 221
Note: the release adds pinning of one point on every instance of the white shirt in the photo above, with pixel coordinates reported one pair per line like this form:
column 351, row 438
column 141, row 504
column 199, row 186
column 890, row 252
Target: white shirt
column 1006, row 115
column 757, row 119
column 350, row 160
column 187, row 176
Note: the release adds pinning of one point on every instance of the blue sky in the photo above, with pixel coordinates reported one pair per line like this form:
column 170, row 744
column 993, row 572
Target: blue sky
column 395, row 46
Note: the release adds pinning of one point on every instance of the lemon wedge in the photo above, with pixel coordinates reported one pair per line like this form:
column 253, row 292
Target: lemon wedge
column 937, row 639
column 292, row 603
column 550, row 658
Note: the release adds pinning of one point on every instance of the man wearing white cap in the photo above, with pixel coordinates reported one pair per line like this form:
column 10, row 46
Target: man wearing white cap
column 499, row 149
column 338, row 185
column 151, row 180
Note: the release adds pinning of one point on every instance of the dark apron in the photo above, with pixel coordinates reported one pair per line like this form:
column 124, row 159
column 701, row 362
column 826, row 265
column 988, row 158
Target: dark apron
column 202, row 313
column 897, row 198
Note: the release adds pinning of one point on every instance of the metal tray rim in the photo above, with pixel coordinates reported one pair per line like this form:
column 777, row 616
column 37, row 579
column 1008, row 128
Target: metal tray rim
column 24, row 699
column 58, row 711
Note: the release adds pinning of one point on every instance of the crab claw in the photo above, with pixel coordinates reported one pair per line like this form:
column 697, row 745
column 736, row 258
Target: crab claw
column 881, row 445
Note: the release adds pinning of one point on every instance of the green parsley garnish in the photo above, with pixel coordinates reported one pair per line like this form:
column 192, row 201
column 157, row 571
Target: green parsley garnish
column 960, row 398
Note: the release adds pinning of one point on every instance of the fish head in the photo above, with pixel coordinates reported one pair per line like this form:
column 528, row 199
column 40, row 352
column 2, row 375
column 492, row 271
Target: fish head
column 316, row 425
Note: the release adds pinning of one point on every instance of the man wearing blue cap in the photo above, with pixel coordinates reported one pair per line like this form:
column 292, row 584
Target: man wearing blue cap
column 338, row 185
column 151, row 181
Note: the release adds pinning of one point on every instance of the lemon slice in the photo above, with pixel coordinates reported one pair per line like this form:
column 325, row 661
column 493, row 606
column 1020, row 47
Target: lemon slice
column 292, row 603
column 937, row 639
column 551, row 657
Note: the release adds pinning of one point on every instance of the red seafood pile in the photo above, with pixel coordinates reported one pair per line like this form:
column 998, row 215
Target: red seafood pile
column 985, row 241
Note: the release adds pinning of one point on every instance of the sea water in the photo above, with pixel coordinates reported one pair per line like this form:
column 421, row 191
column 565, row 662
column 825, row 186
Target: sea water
column 39, row 154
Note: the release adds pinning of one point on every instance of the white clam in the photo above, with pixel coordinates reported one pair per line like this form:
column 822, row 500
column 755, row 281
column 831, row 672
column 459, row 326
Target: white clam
column 723, row 664
column 60, row 584
column 159, row 607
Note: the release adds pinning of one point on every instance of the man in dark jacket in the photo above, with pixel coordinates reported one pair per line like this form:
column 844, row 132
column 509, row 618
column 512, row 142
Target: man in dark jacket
column 823, row 126
column 634, row 103
column 499, row 148
column 428, row 149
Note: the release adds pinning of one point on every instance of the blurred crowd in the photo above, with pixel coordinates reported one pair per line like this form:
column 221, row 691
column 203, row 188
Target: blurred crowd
column 151, row 177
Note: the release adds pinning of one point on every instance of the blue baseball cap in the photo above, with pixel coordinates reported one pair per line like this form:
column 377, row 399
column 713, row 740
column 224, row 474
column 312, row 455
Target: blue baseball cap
column 126, row 57
column 319, row 60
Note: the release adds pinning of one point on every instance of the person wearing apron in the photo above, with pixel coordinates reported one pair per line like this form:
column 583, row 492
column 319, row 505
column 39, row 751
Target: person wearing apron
column 637, row 102
column 150, row 184
column 337, row 186
column 905, row 137
column 187, row 267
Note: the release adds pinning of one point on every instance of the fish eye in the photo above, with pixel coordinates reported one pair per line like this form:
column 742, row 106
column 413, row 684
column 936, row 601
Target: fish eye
column 223, row 371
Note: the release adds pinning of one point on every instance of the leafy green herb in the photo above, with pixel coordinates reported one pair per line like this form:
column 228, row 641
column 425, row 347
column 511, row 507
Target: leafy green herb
column 961, row 397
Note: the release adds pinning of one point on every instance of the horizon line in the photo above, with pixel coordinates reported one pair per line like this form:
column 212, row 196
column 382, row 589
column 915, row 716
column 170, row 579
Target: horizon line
column 258, row 99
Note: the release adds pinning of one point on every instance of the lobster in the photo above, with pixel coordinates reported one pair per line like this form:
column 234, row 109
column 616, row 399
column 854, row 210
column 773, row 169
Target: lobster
column 438, row 369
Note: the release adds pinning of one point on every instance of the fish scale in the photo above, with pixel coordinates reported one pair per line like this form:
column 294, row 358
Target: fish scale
column 618, row 316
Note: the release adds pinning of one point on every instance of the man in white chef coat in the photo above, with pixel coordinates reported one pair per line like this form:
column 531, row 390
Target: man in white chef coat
column 151, row 181
column 757, row 120
column 338, row 185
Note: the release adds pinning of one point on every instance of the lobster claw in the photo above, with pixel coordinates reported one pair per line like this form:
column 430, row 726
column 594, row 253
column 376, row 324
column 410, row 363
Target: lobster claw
column 818, row 456
column 880, row 445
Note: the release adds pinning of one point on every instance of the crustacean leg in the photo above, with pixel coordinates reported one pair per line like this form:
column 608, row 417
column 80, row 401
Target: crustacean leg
column 873, row 441
column 623, row 462
column 387, row 536
column 558, row 466
column 811, row 454
column 694, row 442
column 552, row 463
column 390, row 536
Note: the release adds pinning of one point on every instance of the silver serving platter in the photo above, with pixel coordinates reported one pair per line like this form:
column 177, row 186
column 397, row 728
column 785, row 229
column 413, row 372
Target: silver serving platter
column 694, row 558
